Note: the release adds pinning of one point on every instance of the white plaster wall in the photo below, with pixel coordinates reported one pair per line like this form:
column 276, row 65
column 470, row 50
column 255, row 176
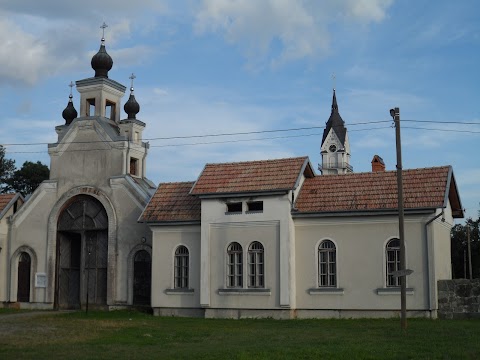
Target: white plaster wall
column 360, row 246
column 271, row 227
column 165, row 241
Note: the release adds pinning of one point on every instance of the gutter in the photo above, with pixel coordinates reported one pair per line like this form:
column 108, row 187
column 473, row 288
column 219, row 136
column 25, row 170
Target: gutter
column 430, row 306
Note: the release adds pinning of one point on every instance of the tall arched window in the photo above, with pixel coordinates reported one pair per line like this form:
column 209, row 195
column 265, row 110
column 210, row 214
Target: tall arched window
column 234, row 265
column 392, row 257
column 256, row 265
column 23, row 286
column 181, row 268
column 327, row 264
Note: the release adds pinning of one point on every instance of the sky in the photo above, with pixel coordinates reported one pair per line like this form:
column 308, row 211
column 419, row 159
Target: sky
column 210, row 67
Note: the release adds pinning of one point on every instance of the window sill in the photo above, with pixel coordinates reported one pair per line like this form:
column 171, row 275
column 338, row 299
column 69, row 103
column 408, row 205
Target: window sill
column 393, row 291
column 241, row 291
column 326, row 291
column 233, row 213
column 179, row 291
column 254, row 212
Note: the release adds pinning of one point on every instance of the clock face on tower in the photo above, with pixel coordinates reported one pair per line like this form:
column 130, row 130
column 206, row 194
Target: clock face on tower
column 332, row 148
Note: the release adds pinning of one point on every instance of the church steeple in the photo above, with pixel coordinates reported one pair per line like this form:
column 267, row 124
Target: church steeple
column 335, row 148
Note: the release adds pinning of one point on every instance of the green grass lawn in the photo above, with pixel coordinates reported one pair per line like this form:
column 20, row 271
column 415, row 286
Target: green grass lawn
column 134, row 335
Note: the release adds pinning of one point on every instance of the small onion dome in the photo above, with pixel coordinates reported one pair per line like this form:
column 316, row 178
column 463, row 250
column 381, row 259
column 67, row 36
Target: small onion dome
column 101, row 61
column 69, row 113
column 131, row 107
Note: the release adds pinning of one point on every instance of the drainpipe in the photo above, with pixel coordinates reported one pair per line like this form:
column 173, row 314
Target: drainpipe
column 430, row 307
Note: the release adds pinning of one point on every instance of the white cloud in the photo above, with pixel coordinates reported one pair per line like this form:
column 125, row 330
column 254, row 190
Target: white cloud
column 300, row 27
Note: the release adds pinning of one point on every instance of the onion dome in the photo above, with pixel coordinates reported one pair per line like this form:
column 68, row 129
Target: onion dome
column 101, row 61
column 131, row 107
column 69, row 113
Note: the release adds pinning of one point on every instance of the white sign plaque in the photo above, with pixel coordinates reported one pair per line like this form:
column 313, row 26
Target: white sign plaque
column 40, row 280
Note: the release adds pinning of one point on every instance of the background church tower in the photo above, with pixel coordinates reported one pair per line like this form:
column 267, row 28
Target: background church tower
column 335, row 148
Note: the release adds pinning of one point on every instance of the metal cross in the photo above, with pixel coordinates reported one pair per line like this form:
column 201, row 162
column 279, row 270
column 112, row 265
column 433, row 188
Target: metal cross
column 71, row 86
column 103, row 29
column 333, row 80
column 131, row 83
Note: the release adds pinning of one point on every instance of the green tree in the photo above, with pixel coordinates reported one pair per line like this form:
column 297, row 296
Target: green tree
column 27, row 179
column 7, row 168
column 459, row 236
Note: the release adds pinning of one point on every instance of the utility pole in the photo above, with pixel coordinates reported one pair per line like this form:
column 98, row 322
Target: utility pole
column 395, row 113
column 469, row 252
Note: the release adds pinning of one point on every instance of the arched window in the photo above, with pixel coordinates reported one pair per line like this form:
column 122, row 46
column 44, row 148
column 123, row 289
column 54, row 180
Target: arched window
column 392, row 257
column 256, row 265
column 23, row 286
column 234, row 265
column 327, row 264
column 181, row 268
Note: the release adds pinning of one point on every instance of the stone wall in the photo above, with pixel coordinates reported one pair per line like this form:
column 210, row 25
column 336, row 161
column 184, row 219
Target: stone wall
column 459, row 299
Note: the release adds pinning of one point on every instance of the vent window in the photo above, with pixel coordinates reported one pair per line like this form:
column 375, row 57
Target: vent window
column 235, row 207
column 255, row 206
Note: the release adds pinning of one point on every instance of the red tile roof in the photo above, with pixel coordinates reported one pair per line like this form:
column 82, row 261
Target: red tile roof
column 251, row 176
column 5, row 199
column 422, row 188
column 172, row 202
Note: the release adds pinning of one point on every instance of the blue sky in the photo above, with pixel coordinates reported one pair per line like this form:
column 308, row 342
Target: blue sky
column 225, row 66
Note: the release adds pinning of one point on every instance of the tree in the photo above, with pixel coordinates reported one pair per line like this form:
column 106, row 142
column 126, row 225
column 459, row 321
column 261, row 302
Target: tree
column 27, row 179
column 7, row 168
column 459, row 246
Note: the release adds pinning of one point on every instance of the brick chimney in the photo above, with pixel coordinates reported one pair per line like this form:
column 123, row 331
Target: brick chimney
column 377, row 164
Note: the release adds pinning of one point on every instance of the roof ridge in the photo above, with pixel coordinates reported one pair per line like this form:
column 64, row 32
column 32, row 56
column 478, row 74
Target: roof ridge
column 258, row 161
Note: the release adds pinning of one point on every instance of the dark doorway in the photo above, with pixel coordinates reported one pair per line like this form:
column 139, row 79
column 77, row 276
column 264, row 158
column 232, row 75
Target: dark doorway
column 23, row 287
column 142, row 278
column 69, row 271
column 82, row 254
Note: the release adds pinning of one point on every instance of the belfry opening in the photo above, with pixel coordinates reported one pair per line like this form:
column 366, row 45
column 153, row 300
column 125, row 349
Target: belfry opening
column 82, row 254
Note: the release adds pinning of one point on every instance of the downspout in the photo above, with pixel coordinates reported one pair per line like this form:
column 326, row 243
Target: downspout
column 430, row 307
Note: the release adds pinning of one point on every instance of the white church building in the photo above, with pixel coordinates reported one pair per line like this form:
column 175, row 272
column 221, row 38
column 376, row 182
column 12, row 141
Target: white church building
column 264, row 238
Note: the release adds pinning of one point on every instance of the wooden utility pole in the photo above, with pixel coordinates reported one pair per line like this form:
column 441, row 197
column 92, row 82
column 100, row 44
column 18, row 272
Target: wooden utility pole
column 395, row 113
column 469, row 253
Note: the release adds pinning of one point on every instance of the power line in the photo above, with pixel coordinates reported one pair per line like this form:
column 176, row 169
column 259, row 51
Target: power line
column 252, row 133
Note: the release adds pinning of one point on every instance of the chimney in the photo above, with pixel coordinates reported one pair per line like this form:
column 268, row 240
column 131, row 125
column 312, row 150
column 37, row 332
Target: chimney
column 377, row 164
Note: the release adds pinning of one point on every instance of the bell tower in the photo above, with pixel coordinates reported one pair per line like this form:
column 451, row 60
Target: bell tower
column 335, row 148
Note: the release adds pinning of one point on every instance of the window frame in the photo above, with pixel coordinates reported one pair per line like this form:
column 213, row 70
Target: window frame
column 390, row 280
column 181, row 268
column 235, row 263
column 256, row 265
column 328, row 279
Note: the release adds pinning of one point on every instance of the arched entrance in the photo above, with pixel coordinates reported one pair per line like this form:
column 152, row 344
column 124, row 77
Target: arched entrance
column 23, row 284
column 82, row 254
column 142, row 278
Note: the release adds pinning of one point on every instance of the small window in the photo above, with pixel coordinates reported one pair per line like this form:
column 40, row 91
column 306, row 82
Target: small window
column 181, row 268
column 256, row 265
column 90, row 107
column 255, row 206
column 234, row 265
column 110, row 110
column 392, row 257
column 234, row 207
column 133, row 166
column 136, row 136
column 327, row 264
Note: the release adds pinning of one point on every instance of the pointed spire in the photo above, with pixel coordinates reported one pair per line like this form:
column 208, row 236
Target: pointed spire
column 131, row 107
column 334, row 102
column 69, row 113
column 335, row 122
